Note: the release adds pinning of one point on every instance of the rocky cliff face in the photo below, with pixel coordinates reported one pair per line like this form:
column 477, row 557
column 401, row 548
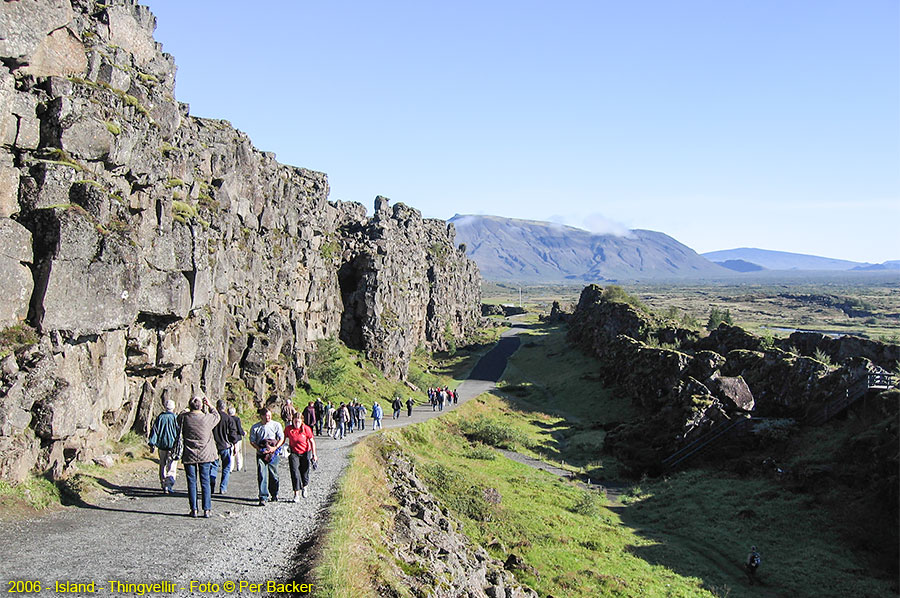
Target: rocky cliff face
column 159, row 255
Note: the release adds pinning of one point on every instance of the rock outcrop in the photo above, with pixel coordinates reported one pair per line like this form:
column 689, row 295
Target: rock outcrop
column 160, row 255
column 695, row 383
column 426, row 538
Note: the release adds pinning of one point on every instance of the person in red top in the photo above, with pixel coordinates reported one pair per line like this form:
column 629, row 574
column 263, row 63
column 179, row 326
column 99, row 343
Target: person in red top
column 299, row 437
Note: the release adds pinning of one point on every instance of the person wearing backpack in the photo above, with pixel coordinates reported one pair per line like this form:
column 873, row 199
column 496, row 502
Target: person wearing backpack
column 753, row 562
column 162, row 437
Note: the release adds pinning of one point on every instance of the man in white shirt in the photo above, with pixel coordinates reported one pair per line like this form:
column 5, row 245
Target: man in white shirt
column 266, row 437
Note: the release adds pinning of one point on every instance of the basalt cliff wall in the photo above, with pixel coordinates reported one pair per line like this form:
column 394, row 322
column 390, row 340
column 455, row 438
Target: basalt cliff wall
column 146, row 254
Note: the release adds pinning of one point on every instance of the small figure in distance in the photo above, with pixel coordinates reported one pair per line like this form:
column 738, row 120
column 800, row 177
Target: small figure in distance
column 409, row 406
column 753, row 562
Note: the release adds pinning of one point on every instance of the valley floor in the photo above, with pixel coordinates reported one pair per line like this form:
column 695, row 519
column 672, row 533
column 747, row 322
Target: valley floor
column 511, row 466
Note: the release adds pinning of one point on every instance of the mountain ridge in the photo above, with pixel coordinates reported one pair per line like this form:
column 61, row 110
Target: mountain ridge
column 532, row 250
column 786, row 260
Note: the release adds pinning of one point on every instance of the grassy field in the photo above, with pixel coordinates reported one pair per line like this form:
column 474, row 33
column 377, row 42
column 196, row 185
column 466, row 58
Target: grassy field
column 683, row 535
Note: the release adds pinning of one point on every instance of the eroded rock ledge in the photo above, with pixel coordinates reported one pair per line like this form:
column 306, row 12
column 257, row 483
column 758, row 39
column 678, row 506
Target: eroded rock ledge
column 425, row 537
column 158, row 254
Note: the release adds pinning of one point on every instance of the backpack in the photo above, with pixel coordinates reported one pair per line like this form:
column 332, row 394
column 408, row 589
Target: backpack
column 755, row 560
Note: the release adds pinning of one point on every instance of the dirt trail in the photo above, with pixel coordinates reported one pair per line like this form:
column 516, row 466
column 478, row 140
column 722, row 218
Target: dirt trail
column 135, row 534
column 613, row 490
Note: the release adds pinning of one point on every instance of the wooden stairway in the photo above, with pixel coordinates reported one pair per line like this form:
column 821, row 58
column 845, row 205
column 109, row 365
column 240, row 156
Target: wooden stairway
column 856, row 391
column 705, row 441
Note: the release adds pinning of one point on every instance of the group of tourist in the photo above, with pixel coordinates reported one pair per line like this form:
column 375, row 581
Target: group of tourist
column 438, row 397
column 209, row 442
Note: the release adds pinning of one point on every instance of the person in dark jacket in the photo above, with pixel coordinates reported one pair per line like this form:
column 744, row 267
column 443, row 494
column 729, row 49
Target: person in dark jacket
column 320, row 415
column 309, row 415
column 409, row 406
column 196, row 428
column 225, row 434
column 163, row 435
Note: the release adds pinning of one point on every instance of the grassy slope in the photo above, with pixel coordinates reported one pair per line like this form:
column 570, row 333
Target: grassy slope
column 686, row 535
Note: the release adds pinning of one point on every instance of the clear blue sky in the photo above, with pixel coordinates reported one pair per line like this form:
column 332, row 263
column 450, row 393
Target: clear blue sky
column 739, row 123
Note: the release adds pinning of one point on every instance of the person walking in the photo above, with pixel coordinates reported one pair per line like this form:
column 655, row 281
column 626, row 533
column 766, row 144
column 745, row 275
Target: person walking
column 309, row 415
column 302, row 449
column 396, row 405
column 753, row 562
column 237, row 462
column 163, row 435
column 361, row 411
column 266, row 437
column 377, row 414
column 225, row 434
column 320, row 415
column 196, row 427
column 343, row 419
column 330, row 423
column 353, row 414
column 287, row 411
column 409, row 406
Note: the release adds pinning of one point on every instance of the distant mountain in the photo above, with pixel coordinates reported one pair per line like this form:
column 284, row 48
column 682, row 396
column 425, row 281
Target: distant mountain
column 889, row 265
column 510, row 249
column 782, row 260
column 740, row 266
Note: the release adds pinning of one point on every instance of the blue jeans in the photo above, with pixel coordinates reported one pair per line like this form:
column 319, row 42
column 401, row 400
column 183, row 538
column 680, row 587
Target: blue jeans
column 190, row 472
column 225, row 457
column 267, row 477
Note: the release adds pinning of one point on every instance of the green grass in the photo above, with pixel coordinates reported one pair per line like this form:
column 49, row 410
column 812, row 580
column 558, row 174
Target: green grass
column 704, row 523
column 575, row 545
column 686, row 535
column 35, row 492
column 681, row 536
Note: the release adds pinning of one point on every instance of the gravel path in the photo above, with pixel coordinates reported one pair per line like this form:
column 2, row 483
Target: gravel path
column 135, row 534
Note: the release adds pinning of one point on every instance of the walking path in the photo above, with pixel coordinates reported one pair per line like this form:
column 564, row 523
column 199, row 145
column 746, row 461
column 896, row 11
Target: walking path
column 613, row 491
column 135, row 534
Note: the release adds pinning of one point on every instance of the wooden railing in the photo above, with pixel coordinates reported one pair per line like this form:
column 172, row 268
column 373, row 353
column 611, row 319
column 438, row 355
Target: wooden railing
column 854, row 392
column 857, row 390
column 703, row 442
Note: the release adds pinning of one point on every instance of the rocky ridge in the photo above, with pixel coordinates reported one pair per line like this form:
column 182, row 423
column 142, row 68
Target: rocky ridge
column 159, row 255
column 426, row 538
column 686, row 384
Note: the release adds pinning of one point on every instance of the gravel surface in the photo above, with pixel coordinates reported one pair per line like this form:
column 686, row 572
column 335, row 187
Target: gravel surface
column 135, row 534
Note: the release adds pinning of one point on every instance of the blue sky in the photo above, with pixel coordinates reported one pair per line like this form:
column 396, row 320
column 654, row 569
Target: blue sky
column 738, row 123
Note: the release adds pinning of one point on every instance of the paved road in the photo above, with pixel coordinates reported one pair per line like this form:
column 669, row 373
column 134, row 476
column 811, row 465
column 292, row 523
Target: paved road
column 135, row 534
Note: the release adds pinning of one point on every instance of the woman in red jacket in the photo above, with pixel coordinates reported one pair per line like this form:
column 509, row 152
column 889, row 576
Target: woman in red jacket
column 303, row 452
